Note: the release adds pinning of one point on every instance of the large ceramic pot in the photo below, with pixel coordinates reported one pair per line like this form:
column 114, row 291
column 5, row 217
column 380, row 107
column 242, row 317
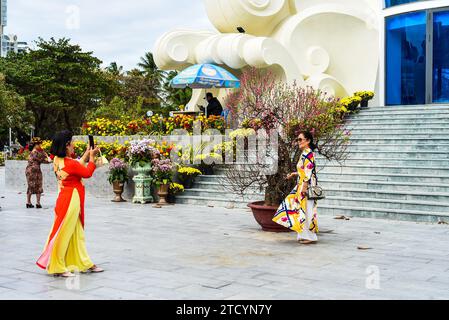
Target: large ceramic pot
column 264, row 216
column 143, row 182
column 118, row 188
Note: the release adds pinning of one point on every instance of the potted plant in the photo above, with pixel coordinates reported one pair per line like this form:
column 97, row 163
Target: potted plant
column 351, row 103
column 187, row 176
column 162, row 175
column 141, row 153
column 174, row 189
column 281, row 111
column 366, row 96
column 207, row 161
column 118, row 176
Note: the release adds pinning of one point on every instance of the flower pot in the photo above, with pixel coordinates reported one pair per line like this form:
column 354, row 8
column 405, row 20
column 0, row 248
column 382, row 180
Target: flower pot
column 264, row 217
column 163, row 193
column 207, row 170
column 171, row 198
column 364, row 104
column 118, row 188
column 188, row 182
column 143, row 182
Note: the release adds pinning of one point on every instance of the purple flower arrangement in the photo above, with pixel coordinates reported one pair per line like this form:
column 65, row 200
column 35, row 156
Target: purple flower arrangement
column 163, row 171
column 118, row 171
column 142, row 152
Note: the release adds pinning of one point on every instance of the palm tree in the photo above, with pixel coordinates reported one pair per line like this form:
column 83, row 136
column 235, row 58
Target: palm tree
column 115, row 69
column 150, row 69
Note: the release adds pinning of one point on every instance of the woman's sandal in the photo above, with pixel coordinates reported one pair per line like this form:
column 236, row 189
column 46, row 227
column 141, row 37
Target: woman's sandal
column 94, row 269
column 307, row 242
column 65, row 275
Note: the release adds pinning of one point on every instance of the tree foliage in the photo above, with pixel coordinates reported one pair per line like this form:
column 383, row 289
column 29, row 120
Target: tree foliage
column 59, row 82
column 13, row 112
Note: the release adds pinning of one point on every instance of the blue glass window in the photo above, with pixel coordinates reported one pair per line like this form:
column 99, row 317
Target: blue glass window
column 441, row 56
column 391, row 3
column 406, row 59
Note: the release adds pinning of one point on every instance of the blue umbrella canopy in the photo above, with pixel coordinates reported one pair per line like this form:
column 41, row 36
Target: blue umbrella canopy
column 205, row 76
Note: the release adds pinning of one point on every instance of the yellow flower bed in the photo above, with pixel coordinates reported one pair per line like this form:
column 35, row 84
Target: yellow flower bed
column 156, row 125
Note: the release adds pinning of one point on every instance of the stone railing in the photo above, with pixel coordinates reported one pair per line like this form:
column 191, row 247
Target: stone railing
column 97, row 186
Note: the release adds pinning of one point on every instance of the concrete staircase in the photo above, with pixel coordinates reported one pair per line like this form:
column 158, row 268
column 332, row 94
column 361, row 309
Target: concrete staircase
column 398, row 169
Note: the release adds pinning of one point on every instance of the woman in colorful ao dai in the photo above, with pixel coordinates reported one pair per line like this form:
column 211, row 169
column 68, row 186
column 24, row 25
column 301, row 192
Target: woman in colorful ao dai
column 296, row 211
column 65, row 251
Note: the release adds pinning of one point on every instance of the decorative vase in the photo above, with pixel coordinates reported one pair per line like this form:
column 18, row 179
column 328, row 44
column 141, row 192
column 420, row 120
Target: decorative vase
column 364, row 104
column 143, row 182
column 162, row 192
column 264, row 217
column 118, row 187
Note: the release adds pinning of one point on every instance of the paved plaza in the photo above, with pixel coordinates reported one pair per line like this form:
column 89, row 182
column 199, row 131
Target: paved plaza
column 187, row 252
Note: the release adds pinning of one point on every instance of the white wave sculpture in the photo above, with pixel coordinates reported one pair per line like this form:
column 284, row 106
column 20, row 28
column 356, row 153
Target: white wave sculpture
column 330, row 45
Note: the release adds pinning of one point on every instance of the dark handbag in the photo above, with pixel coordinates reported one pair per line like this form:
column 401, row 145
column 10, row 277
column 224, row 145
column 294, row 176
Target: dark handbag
column 315, row 192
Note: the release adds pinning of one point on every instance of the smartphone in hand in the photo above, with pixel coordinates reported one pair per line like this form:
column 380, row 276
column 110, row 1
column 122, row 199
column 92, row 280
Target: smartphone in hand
column 91, row 142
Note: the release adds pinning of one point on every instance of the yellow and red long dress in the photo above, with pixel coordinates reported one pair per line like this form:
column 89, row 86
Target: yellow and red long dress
column 297, row 212
column 65, row 249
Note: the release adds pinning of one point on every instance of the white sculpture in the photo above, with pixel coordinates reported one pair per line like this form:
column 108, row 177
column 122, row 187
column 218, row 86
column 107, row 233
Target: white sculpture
column 332, row 45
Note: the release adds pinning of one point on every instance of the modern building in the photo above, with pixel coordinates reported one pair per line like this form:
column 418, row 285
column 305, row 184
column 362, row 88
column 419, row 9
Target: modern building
column 8, row 43
column 3, row 22
column 397, row 48
column 415, row 56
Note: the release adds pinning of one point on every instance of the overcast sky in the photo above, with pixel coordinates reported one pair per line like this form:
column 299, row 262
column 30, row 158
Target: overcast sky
column 114, row 30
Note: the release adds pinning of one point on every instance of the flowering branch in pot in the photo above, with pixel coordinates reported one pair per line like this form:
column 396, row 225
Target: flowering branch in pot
column 282, row 110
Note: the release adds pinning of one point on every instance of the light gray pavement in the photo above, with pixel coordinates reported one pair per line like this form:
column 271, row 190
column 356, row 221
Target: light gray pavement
column 186, row 252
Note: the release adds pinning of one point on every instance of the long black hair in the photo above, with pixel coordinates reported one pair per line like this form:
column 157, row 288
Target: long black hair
column 309, row 136
column 60, row 142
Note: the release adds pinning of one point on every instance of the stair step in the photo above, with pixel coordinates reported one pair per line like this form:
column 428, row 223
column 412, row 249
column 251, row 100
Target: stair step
column 437, row 155
column 398, row 140
column 405, row 147
column 416, row 196
column 390, row 169
column 195, row 192
column 412, row 114
column 392, row 162
column 383, row 185
column 329, row 184
column 392, row 121
column 423, row 108
column 381, row 213
column 419, row 206
column 386, row 177
column 380, row 135
column 211, row 201
column 396, row 126
column 402, row 130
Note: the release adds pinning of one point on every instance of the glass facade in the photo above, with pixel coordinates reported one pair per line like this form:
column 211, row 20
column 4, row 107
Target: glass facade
column 406, row 59
column 3, row 12
column 391, row 3
column 440, row 67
